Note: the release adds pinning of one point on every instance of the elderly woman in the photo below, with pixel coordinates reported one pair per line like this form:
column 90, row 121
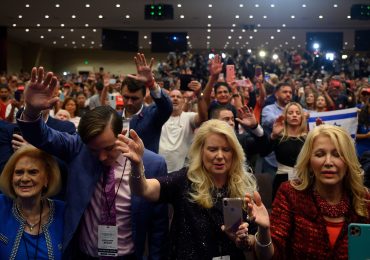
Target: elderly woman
column 310, row 216
column 31, row 224
column 216, row 171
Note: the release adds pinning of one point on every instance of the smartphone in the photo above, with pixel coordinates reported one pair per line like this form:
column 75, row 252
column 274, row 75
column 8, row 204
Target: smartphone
column 112, row 81
column 318, row 83
column 358, row 241
column 233, row 213
column 17, row 131
column 257, row 71
column 185, row 79
column 230, row 73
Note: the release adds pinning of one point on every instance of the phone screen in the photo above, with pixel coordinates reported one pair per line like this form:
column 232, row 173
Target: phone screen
column 258, row 71
column 230, row 73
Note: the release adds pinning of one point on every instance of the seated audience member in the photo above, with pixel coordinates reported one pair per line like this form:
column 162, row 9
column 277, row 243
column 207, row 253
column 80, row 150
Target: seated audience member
column 178, row 132
column 287, row 138
column 63, row 115
column 31, row 224
column 70, row 104
column 254, row 140
column 310, row 215
column 81, row 104
column 147, row 121
column 216, row 171
column 98, row 193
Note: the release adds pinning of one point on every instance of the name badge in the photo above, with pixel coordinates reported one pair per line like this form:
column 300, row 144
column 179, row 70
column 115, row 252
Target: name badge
column 107, row 240
column 223, row 257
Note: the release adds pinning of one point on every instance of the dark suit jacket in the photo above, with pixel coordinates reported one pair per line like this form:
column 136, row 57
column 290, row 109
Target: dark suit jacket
column 84, row 172
column 148, row 124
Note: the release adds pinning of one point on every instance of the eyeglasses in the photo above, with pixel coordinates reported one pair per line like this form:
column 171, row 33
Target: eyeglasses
column 132, row 98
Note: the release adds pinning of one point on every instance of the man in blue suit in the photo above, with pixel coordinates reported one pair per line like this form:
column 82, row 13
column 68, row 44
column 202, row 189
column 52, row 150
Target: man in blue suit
column 90, row 155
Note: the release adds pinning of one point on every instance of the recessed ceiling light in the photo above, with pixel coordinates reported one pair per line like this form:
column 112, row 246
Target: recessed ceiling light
column 87, row 5
column 278, row 30
column 345, row 43
column 62, row 37
column 62, row 25
column 83, row 36
column 100, row 16
column 272, row 5
column 42, row 36
column 320, row 16
column 20, row 16
column 210, row 5
column 49, row 30
column 208, row 30
column 240, row 37
column 73, row 16
column 27, row 5
column 272, row 37
column 233, row 25
column 148, row 43
column 178, row 5
column 293, row 37
column 237, row 43
column 127, row 16
column 265, row 17
column 65, row 45
column 38, row 25
column 14, row 25
column 57, row 5
column 86, row 25
column 229, row 37
column 73, row 42
column 209, row 25
column 182, row 16
column 255, row 30
column 335, row 5
column 72, row 30
column 46, row 16
column 243, row 30
column 286, row 43
column 83, row 45
column 237, row 16
column 27, row 30
column 251, row 16
column 208, row 37
column 118, row 5
column 293, row 16
column 258, row 25
column 348, row 17
column 257, row 5
column 145, row 37
column 92, row 42
column 304, row 5
column 94, row 30
column 208, row 43
column 209, row 16
column 283, row 25
column 54, row 42
column 241, row 5
column 231, row 30
column 187, row 37
column 251, row 37
column 299, row 46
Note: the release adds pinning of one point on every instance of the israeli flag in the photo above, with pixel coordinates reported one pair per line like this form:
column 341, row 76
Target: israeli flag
column 346, row 118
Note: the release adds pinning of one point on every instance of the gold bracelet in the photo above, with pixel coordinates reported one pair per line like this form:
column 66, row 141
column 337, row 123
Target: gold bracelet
column 261, row 245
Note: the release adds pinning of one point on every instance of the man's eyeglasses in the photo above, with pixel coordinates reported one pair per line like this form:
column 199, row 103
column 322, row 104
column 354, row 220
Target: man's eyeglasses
column 132, row 98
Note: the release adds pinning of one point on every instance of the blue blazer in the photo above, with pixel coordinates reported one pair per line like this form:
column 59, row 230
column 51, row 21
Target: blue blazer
column 148, row 123
column 84, row 172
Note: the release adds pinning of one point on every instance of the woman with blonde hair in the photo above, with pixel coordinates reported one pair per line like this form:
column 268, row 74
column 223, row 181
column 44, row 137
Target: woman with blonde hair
column 32, row 224
column 287, row 138
column 310, row 215
column 216, row 171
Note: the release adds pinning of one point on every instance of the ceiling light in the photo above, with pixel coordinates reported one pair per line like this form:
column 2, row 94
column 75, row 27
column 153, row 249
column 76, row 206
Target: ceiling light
column 14, row 25
column 178, row 5
column 73, row 42
column 286, row 43
column 20, row 16
column 83, row 45
column 62, row 25
column 92, row 42
column 251, row 16
column 42, row 36
column 73, row 16
column 54, row 42
column 251, row 37
column 262, row 54
column 292, row 16
column 46, row 16
column 49, row 30
column 118, row 5
column 304, row 5
column 27, row 5
column 299, row 46
column 86, row 25
column 241, row 5
column 237, row 16
column 65, row 45
column 210, row 5
column 249, row 50
column 209, row 16
column 187, row 36
column 182, row 16
column 208, row 37
column 293, row 37
column 320, row 16
column 335, row 5
column 231, row 30
column 255, row 30
column 62, row 37
column 38, row 25
column 237, row 43
column 83, row 36
column 233, row 24
column 348, row 16
column 257, row 5
column 283, row 25
column 229, row 37
column 94, row 30
column 345, row 43
column 87, row 5
column 278, row 30
column 272, row 5
column 72, row 30
column 275, row 56
column 100, row 16
column 264, row 17
column 148, row 43
column 208, row 30
column 127, row 16
column 27, row 30
column 57, row 5
column 145, row 37
column 258, row 25
column 272, row 37
column 240, row 37
column 243, row 30
column 209, row 25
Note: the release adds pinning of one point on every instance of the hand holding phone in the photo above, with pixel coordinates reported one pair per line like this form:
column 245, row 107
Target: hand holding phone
column 233, row 213
column 230, row 73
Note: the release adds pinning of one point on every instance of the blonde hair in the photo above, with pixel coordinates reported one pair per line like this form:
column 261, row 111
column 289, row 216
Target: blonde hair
column 302, row 127
column 51, row 169
column 239, row 180
column 353, row 181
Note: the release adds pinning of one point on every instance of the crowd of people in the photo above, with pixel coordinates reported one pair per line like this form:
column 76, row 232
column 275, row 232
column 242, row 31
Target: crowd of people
column 139, row 166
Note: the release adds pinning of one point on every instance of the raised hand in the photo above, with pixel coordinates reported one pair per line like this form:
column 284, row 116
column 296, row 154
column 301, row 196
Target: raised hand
column 215, row 66
column 257, row 212
column 132, row 149
column 278, row 127
column 144, row 71
column 38, row 95
column 195, row 86
column 246, row 117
